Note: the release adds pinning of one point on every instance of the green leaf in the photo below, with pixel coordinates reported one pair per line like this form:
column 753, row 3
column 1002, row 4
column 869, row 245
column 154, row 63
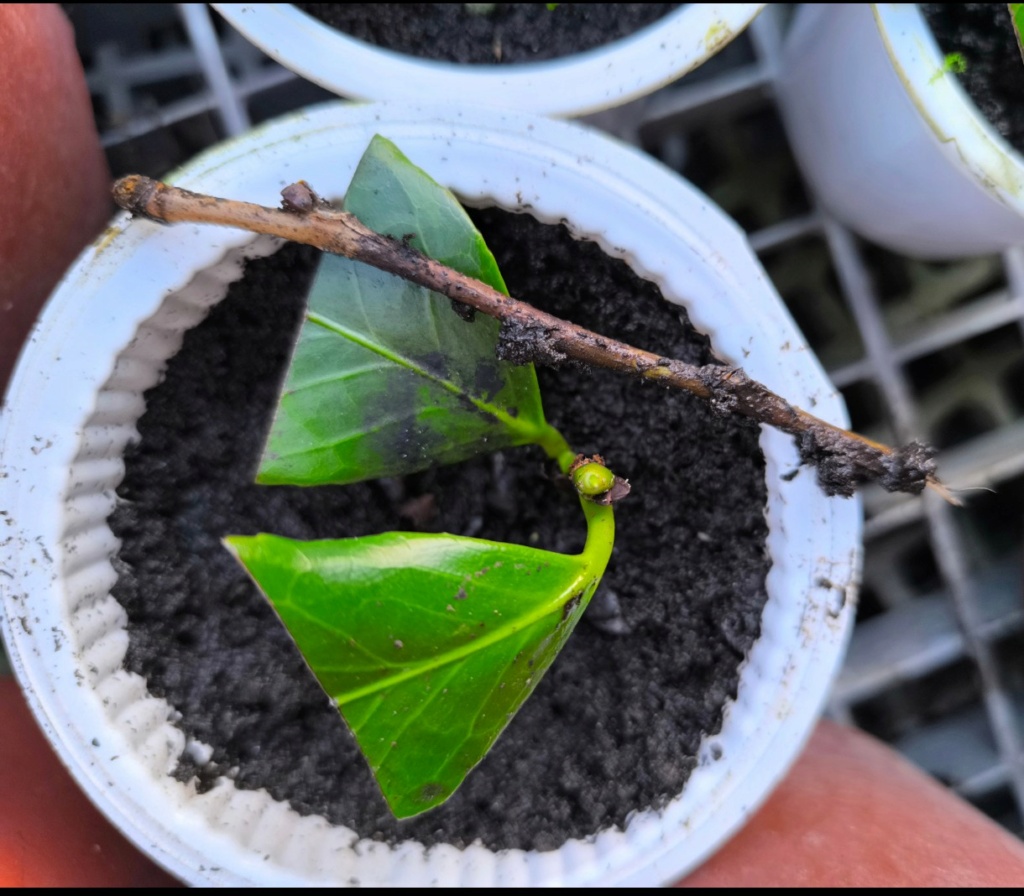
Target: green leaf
column 389, row 194
column 1017, row 17
column 428, row 643
column 385, row 378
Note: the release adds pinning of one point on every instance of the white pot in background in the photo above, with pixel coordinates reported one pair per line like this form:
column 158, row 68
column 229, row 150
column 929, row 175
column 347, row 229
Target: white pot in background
column 121, row 312
column 574, row 85
column 891, row 142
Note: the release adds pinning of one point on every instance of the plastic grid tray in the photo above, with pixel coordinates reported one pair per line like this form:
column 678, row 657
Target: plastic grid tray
column 934, row 351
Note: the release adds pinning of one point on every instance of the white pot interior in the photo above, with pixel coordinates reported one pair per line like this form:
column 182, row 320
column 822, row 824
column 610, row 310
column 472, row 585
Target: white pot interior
column 141, row 286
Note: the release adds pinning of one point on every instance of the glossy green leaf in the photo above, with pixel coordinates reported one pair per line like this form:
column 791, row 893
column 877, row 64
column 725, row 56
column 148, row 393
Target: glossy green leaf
column 386, row 378
column 428, row 643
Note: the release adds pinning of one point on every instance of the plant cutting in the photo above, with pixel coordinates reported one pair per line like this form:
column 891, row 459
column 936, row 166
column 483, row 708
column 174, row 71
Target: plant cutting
column 400, row 628
column 144, row 288
column 437, row 639
column 889, row 138
column 600, row 78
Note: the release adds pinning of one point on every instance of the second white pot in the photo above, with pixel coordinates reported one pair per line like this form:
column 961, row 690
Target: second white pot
column 121, row 312
column 890, row 141
column 573, row 85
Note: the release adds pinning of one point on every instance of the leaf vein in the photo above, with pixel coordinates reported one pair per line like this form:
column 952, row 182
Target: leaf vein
column 495, row 635
column 526, row 429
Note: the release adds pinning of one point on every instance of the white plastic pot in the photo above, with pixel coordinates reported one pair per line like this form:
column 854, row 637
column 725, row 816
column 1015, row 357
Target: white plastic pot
column 586, row 82
column 890, row 141
column 120, row 313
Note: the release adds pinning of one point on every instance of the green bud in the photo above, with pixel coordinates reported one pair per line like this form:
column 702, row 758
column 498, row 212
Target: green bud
column 592, row 479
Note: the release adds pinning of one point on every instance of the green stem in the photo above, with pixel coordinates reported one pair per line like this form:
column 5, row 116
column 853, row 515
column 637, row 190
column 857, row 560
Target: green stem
column 556, row 447
column 600, row 535
column 600, row 518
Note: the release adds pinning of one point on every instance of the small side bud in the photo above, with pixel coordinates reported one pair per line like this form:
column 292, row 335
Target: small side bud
column 593, row 481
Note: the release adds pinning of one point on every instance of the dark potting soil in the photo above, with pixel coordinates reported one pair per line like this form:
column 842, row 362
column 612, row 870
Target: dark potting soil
column 509, row 33
column 616, row 723
column 994, row 75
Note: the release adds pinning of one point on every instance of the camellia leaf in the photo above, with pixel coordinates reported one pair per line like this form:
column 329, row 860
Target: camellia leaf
column 386, row 379
column 428, row 643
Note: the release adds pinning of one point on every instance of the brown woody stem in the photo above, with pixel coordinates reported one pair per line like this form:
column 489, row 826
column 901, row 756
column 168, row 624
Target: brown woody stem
column 843, row 459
